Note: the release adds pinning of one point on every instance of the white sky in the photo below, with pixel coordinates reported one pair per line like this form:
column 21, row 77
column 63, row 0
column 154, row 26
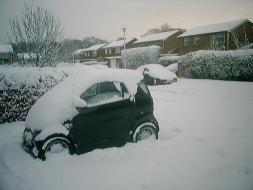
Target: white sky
column 105, row 18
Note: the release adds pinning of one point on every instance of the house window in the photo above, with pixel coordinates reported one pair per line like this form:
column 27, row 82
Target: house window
column 187, row 41
column 94, row 53
column 197, row 40
column 117, row 50
column 217, row 41
column 110, row 51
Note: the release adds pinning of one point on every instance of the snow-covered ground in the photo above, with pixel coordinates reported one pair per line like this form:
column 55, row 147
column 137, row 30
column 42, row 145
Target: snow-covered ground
column 206, row 142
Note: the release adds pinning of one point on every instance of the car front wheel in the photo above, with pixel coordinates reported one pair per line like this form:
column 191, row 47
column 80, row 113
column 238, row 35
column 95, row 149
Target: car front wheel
column 144, row 131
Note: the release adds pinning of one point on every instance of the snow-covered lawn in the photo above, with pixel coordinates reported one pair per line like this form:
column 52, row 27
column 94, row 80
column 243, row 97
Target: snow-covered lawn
column 205, row 143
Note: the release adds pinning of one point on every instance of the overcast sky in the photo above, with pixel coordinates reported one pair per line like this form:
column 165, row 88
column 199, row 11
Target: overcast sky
column 105, row 18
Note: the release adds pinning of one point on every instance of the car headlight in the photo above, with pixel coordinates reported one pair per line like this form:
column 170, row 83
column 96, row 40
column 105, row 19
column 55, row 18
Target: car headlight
column 29, row 135
column 68, row 125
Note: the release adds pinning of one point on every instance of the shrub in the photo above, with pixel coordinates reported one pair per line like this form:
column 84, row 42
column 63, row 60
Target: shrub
column 222, row 65
column 168, row 60
column 136, row 57
column 20, row 87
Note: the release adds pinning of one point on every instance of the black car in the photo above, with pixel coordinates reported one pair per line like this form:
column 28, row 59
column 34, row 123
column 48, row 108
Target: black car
column 112, row 117
column 155, row 74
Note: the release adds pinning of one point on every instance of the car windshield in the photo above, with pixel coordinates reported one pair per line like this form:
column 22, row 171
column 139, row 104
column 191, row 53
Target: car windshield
column 103, row 93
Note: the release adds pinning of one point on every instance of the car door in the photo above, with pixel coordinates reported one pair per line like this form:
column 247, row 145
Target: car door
column 105, row 119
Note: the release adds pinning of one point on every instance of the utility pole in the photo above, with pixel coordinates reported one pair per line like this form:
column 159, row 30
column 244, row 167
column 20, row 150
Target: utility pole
column 124, row 31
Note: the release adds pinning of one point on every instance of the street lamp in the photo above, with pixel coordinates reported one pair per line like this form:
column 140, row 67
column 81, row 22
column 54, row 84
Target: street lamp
column 124, row 31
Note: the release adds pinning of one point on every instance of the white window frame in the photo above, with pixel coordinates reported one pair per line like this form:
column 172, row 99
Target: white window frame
column 109, row 51
column 186, row 41
column 218, row 40
column 117, row 50
column 94, row 53
column 197, row 40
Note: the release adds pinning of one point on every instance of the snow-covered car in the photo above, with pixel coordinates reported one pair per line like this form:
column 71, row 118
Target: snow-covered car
column 155, row 74
column 98, row 109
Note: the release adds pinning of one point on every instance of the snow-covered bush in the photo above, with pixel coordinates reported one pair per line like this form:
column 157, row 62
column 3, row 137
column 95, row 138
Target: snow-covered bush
column 20, row 87
column 136, row 57
column 223, row 65
column 168, row 60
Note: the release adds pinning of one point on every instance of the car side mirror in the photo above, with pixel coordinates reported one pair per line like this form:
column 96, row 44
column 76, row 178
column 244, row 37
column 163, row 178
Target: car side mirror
column 131, row 98
column 79, row 103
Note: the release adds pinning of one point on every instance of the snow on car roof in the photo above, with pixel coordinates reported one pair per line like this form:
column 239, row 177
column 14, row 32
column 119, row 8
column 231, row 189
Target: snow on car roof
column 59, row 104
column 157, row 71
column 118, row 43
column 156, row 37
column 213, row 28
column 5, row 48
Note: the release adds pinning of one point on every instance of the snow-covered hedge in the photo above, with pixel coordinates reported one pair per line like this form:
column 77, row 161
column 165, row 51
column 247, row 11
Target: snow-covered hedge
column 168, row 60
column 223, row 65
column 136, row 57
column 20, row 87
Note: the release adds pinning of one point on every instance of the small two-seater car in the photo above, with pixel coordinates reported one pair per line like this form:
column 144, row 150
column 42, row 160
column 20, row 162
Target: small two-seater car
column 155, row 74
column 89, row 110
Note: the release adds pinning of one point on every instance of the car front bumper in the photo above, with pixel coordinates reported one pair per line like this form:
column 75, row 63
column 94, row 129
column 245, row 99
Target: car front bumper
column 29, row 144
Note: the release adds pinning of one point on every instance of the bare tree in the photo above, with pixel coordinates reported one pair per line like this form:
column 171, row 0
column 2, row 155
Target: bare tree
column 37, row 32
column 240, row 37
column 163, row 28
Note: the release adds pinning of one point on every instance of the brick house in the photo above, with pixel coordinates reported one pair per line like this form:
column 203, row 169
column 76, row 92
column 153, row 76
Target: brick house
column 222, row 36
column 168, row 41
column 94, row 52
column 6, row 53
column 112, row 51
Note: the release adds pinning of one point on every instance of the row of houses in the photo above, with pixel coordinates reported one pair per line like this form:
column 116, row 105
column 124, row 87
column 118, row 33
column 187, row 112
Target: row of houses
column 223, row 36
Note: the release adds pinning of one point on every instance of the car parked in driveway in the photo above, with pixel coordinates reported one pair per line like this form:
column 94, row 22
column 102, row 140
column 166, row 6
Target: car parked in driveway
column 91, row 110
column 155, row 74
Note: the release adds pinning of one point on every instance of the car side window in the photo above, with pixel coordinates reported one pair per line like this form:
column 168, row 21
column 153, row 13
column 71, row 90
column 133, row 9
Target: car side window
column 105, row 92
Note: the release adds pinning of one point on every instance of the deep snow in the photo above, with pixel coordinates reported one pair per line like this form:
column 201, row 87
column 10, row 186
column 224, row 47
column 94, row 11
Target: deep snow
column 205, row 143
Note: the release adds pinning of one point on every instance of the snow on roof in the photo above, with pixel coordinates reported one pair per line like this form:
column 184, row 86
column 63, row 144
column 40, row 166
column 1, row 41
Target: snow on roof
column 220, row 27
column 118, row 43
column 59, row 104
column 6, row 48
column 156, row 37
column 91, row 48
column 95, row 47
column 78, row 51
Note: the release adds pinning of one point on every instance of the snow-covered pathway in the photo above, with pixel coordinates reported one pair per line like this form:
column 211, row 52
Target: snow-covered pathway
column 205, row 143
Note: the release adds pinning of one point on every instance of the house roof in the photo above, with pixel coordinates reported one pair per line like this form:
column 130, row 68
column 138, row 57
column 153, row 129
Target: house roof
column 213, row 28
column 95, row 47
column 6, row 48
column 91, row 48
column 118, row 43
column 156, row 37
column 78, row 51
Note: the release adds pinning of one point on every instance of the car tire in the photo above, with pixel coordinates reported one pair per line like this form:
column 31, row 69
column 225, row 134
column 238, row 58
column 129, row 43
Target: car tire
column 144, row 131
column 56, row 144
